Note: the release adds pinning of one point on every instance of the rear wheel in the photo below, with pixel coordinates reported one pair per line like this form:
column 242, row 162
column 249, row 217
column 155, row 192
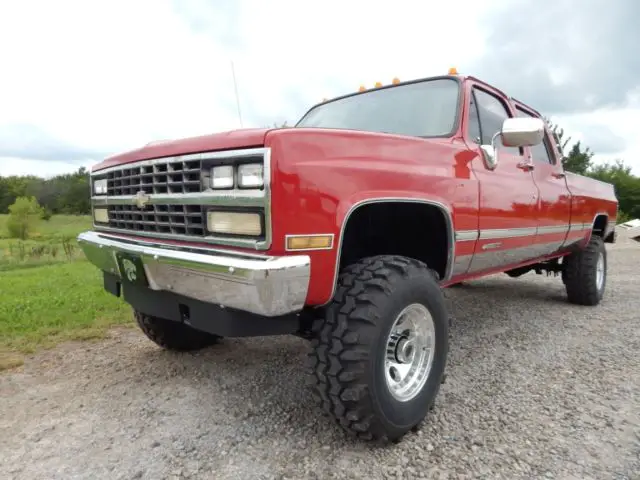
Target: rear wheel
column 172, row 335
column 585, row 273
column 380, row 352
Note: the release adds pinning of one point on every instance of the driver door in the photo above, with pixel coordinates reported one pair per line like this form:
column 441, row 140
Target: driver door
column 508, row 216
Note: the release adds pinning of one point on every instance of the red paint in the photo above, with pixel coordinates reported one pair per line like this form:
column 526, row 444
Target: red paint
column 245, row 138
column 319, row 175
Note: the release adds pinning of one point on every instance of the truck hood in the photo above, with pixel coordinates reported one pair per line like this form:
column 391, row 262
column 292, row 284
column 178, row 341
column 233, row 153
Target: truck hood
column 243, row 138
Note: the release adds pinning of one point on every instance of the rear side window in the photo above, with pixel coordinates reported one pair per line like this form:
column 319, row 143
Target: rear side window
column 474, row 122
column 492, row 113
column 541, row 152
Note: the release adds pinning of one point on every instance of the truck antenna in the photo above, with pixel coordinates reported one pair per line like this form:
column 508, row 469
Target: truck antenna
column 235, row 87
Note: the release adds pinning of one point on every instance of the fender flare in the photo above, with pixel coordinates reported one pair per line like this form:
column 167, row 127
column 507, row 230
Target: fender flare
column 348, row 209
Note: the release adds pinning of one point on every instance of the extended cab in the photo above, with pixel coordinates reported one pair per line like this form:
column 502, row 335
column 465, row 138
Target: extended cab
column 344, row 229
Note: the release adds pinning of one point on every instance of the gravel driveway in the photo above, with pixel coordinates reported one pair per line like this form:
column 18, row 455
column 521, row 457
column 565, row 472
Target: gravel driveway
column 536, row 388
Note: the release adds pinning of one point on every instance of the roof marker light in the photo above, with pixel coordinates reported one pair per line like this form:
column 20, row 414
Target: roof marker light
column 378, row 84
column 395, row 80
column 361, row 89
column 453, row 71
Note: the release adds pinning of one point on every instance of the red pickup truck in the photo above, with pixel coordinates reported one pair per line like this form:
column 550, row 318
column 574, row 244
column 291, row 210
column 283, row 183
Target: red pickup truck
column 344, row 229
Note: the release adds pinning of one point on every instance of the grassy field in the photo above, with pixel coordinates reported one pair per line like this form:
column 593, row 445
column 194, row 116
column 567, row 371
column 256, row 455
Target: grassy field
column 49, row 293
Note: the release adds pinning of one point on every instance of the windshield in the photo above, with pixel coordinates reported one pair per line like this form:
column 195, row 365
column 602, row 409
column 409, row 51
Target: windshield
column 422, row 109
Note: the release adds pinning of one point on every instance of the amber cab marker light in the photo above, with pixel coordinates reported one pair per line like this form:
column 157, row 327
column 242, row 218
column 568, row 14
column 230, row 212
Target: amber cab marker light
column 378, row 84
column 309, row 242
column 395, row 80
column 453, row 71
column 361, row 89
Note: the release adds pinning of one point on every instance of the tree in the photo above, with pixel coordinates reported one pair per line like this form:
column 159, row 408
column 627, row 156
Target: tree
column 627, row 186
column 24, row 215
column 577, row 160
column 68, row 193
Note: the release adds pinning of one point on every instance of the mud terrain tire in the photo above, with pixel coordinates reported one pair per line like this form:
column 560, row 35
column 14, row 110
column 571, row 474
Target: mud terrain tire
column 585, row 273
column 348, row 362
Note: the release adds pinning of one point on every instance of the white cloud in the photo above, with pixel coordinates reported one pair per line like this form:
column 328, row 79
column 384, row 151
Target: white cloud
column 109, row 76
column 20, row 166
column 617, row 122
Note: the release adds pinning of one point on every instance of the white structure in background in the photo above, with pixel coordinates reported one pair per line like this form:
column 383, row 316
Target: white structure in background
column 629, row 230
column 635, row 223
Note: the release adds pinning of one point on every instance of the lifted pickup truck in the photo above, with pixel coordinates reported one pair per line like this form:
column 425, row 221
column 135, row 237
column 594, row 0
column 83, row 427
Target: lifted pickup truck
column 344, row 230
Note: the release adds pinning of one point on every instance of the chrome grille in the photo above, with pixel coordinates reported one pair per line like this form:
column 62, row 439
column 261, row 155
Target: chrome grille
column 177, row 195
column 166, row 219
column 159, row 177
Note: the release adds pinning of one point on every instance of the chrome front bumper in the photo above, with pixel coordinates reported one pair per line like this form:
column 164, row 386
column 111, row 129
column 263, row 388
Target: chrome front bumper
column 268, row 286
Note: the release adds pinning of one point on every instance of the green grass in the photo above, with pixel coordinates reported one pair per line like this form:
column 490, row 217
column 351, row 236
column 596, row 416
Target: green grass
column 40, row 307
column 58, row 226
column 54, row 241
column 47, row 298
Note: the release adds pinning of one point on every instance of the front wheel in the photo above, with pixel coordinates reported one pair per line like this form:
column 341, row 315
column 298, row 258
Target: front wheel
column 585, row 273
column 380, row 351
column 172, row 335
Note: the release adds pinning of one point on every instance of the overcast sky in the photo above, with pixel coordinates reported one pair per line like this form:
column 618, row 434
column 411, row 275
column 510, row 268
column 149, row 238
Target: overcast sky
column 80, row 80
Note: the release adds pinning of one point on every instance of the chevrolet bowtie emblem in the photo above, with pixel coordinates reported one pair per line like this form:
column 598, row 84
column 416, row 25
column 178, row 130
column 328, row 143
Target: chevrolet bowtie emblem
column 141, row 199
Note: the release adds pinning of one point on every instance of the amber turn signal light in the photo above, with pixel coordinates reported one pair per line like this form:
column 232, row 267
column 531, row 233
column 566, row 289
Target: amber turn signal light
column 309, row 242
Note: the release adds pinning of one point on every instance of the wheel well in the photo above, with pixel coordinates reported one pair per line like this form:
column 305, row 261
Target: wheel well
column 600, row 225
column 411, row 229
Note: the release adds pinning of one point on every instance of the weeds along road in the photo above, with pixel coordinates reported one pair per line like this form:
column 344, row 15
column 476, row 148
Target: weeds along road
column 536, row 388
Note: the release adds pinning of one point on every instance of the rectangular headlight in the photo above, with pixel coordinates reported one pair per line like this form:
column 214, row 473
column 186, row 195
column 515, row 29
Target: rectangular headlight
column 100, row 186
column 234, row 223
column 101, row 215
column 251, row 175
column 222, row 176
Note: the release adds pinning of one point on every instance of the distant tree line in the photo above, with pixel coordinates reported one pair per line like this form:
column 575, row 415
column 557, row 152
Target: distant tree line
column 68, row 193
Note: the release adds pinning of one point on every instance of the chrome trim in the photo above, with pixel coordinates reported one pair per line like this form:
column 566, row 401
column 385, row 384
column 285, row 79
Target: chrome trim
column 264, row 285
column 490, row 246
column 576, row 227
column 212, row 239
column 245, row 152
column 286, row 238
column 466, row 235
column 236, row 197
column 229, row 198
column 553, row 229
column 501, row 258
column 461, row 264
column 507, row 233
column 443, row 208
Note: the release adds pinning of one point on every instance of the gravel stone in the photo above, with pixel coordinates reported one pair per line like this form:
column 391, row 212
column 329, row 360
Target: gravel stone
column 536, row 388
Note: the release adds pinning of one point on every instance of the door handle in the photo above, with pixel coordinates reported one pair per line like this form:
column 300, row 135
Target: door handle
column 527, row 167
column 558, row 174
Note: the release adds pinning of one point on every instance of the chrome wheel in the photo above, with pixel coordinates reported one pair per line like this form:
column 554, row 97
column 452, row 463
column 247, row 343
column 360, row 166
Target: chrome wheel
column 600, row 271
column 410, row 351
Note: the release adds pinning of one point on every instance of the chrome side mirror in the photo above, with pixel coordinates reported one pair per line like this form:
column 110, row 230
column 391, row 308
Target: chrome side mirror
column 522, row 132
column 515, row 132
column 490, row 155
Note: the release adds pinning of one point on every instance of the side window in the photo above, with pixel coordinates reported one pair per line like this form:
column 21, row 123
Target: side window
column 540, row 152
column 474, row 121
column 492, row 114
